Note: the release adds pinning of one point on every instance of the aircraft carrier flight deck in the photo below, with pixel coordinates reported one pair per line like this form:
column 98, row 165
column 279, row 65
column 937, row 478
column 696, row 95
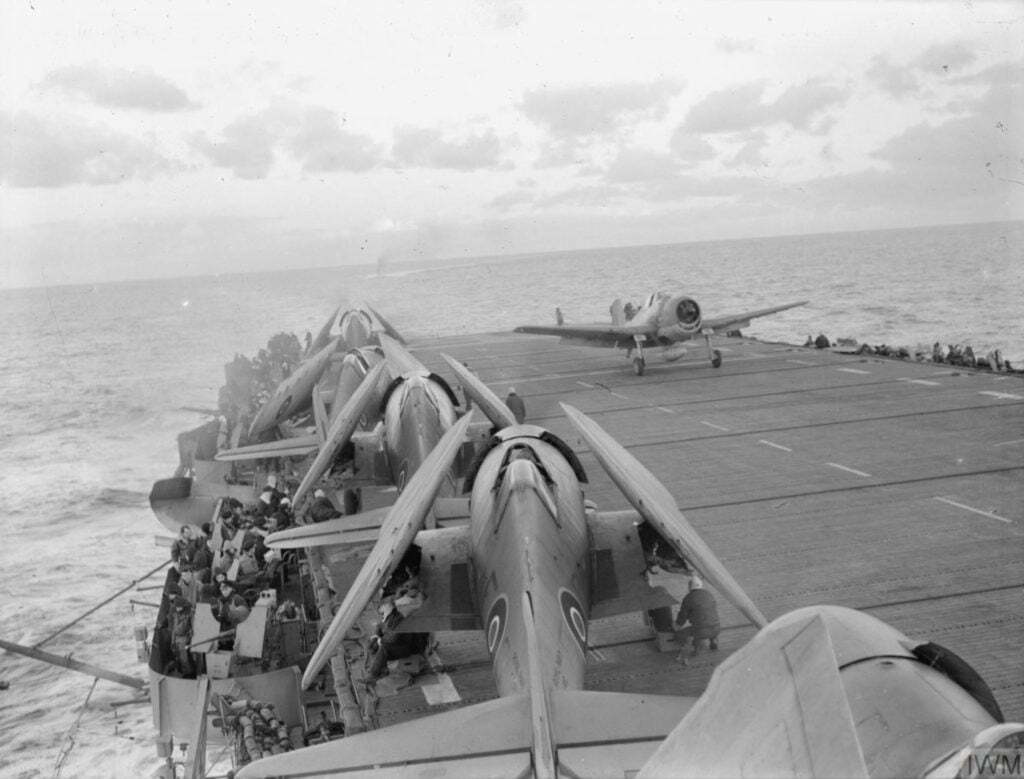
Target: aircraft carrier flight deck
column 816, row 477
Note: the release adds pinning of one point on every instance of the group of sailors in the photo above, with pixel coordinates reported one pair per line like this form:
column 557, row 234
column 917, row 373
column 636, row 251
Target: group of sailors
column 227, row 564
column 954, row 354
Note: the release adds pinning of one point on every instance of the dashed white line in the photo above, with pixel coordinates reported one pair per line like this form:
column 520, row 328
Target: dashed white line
column 1002, row 395
column 850, row 470
column 717, row 427
column 988, row 514
column 924, row 382
column 802, row 362
column 666, row 410
column 584, row 384
column 1010, row 443
column 854, row 370
column 620, row 397
column 775, row 446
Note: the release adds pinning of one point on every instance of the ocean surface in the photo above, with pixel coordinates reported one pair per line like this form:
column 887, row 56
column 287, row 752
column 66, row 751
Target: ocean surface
column 97, row 380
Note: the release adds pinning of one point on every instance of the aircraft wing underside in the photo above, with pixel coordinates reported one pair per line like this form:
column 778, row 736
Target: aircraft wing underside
column 594, row 335
column 736, row 321
column 618, row 567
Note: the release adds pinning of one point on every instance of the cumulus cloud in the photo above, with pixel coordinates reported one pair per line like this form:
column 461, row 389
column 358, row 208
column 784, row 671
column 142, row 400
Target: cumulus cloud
column 592, row 110
column 311, row 136
column 689, row 148
column 37, row 152
column 904, row 80
column 751, row 154
column 118, row 88
column 945, row 58
column 742, row 107
column 422, row 147
column 321, row 145
column 247, row 147
column 895, row 80
column 637, row 165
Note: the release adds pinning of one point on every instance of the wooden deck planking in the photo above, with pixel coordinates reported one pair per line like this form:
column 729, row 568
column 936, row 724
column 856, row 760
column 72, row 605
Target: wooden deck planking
column 793, row 529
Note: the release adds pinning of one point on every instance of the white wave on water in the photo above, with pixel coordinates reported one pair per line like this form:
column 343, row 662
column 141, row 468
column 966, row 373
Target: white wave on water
column 96, row 379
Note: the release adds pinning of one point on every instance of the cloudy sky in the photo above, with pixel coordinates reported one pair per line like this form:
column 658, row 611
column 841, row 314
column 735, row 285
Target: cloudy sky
column 147, row 139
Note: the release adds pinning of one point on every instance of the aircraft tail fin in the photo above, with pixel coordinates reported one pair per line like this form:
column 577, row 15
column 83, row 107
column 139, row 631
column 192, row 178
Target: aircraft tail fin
column 618, row 313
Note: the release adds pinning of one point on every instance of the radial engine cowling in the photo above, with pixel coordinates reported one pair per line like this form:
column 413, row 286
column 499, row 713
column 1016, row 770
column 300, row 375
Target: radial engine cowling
column 680, row 319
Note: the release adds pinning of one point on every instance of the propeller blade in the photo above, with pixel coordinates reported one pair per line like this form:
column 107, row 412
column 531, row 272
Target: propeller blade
column 400, row 359
column 492, row 406
column 649, row 496
column 341, row 430
column 387, row 325
column 403, row 522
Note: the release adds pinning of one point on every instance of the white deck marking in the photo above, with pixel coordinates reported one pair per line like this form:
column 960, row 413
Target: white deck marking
column 854, row 370
column 666, row 410
column 620, row 397
column 717, row 427
column 776, row 446
column 988, row 514
column 1002, row 395
column 598, row 655
column 802, row 362
column 442, row 692
column 850, row 470
column 924, row 382
column 1010, row 443
column 584, row 384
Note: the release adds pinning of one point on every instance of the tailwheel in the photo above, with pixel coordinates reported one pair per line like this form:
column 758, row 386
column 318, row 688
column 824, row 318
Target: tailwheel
column 638, row 366
column 716, row 359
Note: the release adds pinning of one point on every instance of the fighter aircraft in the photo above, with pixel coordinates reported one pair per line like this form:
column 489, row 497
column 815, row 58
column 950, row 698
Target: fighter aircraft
column 665, row 319
column 823, row 691
column 416, row 408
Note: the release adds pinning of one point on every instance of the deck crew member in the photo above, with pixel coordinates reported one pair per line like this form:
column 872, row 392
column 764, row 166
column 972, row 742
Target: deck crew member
column 321, row 509
column 515, row 405
column 701, row 612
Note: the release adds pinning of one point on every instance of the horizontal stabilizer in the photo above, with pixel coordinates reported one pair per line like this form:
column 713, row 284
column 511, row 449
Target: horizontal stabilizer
column 611, row 733
column 353, row 528
column 776, row 707
column 487, row 739
column 299, row 446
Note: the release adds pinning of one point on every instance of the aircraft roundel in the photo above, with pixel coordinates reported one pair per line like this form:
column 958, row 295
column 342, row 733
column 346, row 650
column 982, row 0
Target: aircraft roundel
column 572, row 613
column 496, row 619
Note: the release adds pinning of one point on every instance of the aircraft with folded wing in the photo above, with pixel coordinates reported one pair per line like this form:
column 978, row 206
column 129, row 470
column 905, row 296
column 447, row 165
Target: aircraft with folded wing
column 665, row 319
column 822, row 691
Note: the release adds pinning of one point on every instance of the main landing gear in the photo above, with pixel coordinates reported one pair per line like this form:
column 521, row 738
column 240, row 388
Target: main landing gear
column 639, row 363
column 713, row 354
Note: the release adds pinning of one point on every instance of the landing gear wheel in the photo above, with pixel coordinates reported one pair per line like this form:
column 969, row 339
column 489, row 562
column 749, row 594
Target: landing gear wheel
column 716, row 359
column 638, row 366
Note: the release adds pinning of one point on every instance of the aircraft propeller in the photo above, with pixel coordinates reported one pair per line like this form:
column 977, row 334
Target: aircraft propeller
column 492, row 406
column 649, row 497
column 397, row 532
column 341, row 430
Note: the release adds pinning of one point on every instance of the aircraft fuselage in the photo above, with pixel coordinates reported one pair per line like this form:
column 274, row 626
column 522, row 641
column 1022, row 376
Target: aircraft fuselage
column 528, row 534
column 417, row 415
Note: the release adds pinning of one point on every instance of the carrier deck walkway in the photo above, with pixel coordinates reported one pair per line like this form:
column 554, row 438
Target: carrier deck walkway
column 816, row 477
